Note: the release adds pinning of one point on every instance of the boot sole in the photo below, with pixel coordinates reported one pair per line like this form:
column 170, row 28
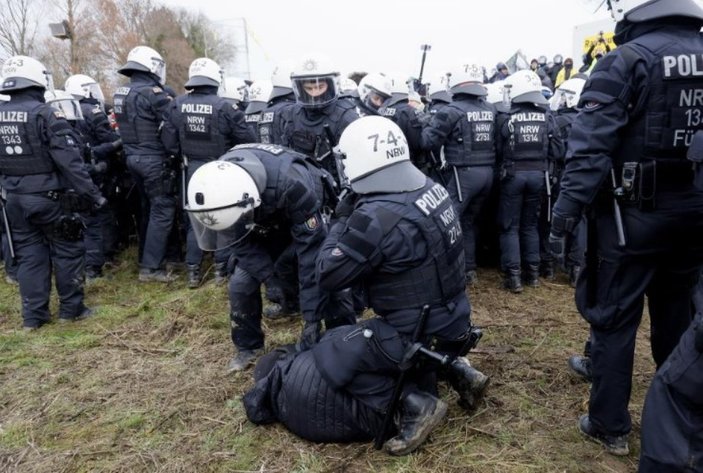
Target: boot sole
column 435, row 418
column 618, row 452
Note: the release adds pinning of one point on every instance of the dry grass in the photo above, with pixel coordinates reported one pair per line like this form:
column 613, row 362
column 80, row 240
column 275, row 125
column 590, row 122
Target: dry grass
column 141, row 387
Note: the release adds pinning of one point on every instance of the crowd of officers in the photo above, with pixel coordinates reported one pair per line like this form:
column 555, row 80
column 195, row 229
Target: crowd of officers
column 337, row 198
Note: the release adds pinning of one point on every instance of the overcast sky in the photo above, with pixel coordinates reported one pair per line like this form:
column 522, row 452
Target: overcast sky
column 385, row 35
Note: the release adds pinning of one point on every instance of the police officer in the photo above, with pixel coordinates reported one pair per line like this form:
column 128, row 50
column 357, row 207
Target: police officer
column 139, row 110
column 279, row 107
column 200, row 127
column 102, row 144
column 527, row 140
column 38, row 166
column 319, row 116
column 374, row 89
column 409, row 118
column 259, row 94
column 627, row 165
column 259, row 199
column 399, row 233
column 464, row 130
column 236, row 91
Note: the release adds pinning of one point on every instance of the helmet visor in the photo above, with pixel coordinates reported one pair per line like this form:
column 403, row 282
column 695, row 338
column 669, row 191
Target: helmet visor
column 69, row 107
column 315, row 91
column 209, row 233
column 94, row 91
column 158, row 67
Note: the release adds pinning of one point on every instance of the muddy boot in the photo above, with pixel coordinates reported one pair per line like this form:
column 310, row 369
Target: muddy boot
column 574, row 272
column 546, row 270
column 221, row 275
column 471, row 278
column 243, row 359
column 193, row 276
column 468, row 382
column 512, row 281
column 278, row 311
column 531, row 276
column 581, row 367
column 421, row 412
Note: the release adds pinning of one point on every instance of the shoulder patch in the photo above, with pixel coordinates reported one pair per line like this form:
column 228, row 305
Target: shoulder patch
column 591, row 106
column 312, row 223
column 337, row 252
column 59, row 114
column 97, row 111
column 157, row 89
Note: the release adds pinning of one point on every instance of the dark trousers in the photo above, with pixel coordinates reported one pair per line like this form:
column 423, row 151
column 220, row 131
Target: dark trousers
column 147, row 174
column 39, row 248
column 518, row 214
column 672, row 419
column 475, row 184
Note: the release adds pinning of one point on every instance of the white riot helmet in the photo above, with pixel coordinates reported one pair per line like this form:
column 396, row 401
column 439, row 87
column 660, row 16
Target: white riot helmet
column 145, row 59
column 84, row 87
column 22, row 72
column 222, row 197
column 281, row 81
column 467, row 79
column 568, row 94
column 399, row 85
column 494, row 92
column 347, row 86
column 315, row 81
column 374, row 89
column 259, row 96
column 638, row 11
column 65, row 103
column 525, row 87
column 439, row 84
column 375, row 157
column 204, row 71
column 234, row 88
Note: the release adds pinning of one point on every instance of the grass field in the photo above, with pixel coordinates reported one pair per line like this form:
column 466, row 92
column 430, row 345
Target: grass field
column 142, row 387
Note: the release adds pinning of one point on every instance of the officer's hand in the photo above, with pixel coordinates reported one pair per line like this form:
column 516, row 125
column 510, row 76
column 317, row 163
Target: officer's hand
column 117, row 144
column 101, row 202
column 309, row 336
column 345, row 207
column 556, row 246
column 100, row 167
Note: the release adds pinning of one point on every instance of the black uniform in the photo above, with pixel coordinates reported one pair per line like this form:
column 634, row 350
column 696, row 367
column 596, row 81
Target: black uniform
column 292, row 196
column 635, row 120
column 464, row 130
column 39, row 162
column 140, row 108
column 200, row 127
column 410, row 120
column 273, row 119
column 315, row 131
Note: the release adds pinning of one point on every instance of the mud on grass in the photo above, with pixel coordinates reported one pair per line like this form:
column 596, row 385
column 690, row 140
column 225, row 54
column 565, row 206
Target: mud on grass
column 141, row 387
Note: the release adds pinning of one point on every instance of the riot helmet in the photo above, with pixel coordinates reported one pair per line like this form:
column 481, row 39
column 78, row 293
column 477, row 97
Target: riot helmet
column 222, row 197
column 315, row 81
column 467, row 79
column 568, row 94
column 65, row 103
column 234, row 88
column 204, row 71
column 280, row 79
column 525, row 87
column 84, row 87
column 375, row 157
column 374, row 89
column 145, row 59
column 22, row 72
column 259, row 96
column 637, row 11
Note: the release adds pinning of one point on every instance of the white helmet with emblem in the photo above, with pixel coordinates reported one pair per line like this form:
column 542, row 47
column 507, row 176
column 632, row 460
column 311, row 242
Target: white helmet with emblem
column 145, row 59
column 374, row 88
column 222, row 197
column 568, row 94
column 234, row 88
column 467, row 79
column 259, row 95
column 82, row 86
column 204, row 71
column 375, row 156
column 525, row 87
column 315, row 81
column 281, row 80
column 22, row 72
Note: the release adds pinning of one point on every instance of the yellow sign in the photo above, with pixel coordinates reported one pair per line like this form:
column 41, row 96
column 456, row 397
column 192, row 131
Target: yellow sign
column 589, row 41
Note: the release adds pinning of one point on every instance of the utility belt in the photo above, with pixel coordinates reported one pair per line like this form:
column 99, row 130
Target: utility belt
column 509, row 167
column 70, row 201
column 638, row 182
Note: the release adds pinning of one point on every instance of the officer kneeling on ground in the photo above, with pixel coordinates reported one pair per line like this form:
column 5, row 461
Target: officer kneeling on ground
column 398, row 232
column 259, row 199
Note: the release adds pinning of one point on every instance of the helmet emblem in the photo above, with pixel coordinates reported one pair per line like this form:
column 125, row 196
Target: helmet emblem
column 310, row 65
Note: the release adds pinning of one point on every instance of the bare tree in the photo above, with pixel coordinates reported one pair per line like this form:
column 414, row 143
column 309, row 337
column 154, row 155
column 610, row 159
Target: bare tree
column 205, row 38
column 18, row 27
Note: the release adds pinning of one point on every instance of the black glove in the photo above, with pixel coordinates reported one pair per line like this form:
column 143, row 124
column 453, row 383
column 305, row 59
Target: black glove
column 346, row 205
column 309, row 336
column 100, row 203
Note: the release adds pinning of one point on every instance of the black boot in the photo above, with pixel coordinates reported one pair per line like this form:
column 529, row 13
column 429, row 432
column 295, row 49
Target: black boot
column 512, row 281
column 468, row 382
column 546, row 270
column 421, row 412
column 221, row 275
column 581, row 367
column 574, row 272
column 531, row 276
column 193, row 276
